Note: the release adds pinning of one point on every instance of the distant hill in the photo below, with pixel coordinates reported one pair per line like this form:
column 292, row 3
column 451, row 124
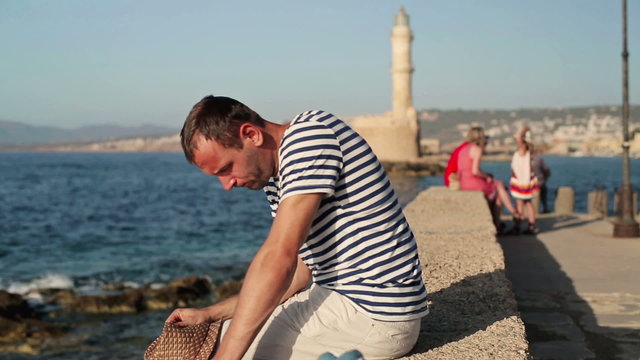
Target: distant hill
column 15, row 133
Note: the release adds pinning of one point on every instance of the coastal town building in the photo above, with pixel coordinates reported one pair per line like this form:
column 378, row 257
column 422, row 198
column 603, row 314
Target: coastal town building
column 594, row 131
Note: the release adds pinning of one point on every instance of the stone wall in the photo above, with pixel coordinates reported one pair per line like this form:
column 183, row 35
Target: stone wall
column 473, row 310
column 390, row 142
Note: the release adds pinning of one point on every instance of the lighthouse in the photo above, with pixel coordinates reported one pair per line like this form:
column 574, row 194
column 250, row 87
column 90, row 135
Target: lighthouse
column 401, row 69
column 394, row 135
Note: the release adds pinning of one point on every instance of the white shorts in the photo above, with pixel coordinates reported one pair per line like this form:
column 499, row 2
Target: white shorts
column 319, row 320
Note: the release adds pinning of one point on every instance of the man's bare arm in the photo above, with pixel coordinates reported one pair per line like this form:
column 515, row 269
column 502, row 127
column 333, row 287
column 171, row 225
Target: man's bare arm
column 270, row 274
column 300, row 280
column 224, row 310
column 522, row 146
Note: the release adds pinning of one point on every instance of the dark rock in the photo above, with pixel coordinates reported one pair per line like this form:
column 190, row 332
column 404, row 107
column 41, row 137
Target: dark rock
column 228, row 289
column 129, row 301
column 21, row 347
column 62, row 297
column 12, row 331
column 178, row 293
column 14, row 307
column 21, row 330
column 198, row 285
column 114, row 287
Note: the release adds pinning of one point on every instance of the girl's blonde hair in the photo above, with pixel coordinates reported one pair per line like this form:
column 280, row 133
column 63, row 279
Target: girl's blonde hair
column 476, row 135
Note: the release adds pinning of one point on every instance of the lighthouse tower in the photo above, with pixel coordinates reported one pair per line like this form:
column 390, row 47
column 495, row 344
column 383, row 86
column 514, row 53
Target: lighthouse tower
column 401, row 69
column 394, row 136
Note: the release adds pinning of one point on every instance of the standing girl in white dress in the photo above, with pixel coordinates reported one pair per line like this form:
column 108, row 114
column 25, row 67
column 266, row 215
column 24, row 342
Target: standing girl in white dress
column 523, row 184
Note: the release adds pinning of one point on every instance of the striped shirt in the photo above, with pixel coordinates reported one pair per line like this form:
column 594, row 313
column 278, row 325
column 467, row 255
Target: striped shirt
column 360, row 243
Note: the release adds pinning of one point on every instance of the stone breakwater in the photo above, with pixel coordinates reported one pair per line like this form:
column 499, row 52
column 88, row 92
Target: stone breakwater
column 473, row 311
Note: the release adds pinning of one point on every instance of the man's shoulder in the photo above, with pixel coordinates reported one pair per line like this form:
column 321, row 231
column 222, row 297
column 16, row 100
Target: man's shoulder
column 316, row 128
column 313, row 122
column 319, row 116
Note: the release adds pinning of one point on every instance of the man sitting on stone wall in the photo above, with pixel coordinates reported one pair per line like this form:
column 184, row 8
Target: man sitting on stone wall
column 339, row 269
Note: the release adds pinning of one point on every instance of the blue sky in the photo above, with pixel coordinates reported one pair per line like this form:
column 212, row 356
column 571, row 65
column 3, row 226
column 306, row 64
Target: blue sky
column 70, row 63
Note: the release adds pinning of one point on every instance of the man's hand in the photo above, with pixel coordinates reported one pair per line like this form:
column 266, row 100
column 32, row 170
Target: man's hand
column 188, row 317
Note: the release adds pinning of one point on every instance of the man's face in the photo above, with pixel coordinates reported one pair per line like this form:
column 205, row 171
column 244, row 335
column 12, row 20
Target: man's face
column 233, row 167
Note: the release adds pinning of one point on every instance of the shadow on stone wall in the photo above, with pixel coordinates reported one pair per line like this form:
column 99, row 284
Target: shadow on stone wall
column 462, row 309
column 559, row 323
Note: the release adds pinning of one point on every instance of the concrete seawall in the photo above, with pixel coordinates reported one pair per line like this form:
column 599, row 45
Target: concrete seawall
column 473, row 310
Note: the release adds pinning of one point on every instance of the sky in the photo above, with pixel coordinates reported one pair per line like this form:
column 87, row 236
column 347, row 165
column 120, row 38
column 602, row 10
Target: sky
column 71, row 63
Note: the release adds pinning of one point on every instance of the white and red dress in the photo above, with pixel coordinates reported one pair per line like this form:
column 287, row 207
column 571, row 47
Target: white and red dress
column 523, row 184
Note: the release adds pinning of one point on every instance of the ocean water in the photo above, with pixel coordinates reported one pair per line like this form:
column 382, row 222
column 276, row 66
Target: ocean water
column 81, row 221
column 104, row 218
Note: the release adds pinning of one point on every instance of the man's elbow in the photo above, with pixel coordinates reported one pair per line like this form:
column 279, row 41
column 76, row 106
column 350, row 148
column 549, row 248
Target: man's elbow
column 277, row 262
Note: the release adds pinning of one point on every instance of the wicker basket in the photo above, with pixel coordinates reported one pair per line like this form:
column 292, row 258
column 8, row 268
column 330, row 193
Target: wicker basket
column 184, row 342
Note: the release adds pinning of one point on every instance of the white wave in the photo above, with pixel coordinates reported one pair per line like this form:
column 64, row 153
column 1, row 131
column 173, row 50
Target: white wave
column 156, row 286
column 48, row 281
column 131, row 285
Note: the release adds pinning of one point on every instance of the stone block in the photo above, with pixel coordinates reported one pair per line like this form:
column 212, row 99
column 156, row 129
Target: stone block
column 391, row 143
column 565, row 200
column 597, row 203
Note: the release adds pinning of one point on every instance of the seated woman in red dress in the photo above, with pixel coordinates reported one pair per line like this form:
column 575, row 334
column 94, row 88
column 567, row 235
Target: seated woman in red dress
column 472, row 177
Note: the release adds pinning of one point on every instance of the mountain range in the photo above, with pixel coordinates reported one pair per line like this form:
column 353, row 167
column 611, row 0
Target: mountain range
column 15, row 133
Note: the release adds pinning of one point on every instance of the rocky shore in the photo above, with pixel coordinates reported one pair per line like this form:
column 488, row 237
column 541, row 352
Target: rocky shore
column 28, row 329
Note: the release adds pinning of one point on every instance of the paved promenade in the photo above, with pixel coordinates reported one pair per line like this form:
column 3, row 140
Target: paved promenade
column 577, row 287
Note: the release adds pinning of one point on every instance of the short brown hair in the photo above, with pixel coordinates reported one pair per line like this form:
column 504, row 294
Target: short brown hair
column 217, row 118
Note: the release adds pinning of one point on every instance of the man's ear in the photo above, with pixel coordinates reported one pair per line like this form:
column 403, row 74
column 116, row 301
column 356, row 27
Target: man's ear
column 252, row 133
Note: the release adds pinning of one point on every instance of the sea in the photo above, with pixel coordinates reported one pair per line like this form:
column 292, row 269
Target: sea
column 81, row 221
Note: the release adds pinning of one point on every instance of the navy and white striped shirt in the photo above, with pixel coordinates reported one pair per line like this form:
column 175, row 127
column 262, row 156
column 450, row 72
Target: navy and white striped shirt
column 360, row 243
